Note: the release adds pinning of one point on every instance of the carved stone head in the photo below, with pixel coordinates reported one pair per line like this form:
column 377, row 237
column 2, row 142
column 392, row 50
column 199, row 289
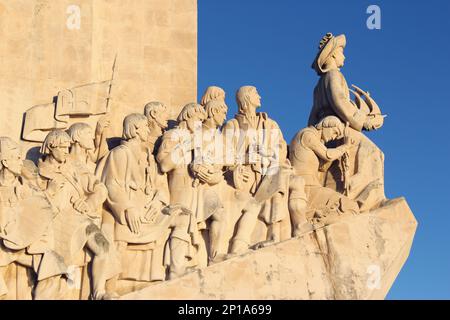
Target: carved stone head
column 212, row 93
column 157, row 114
column 217, row 111
column 10, row 156
column 331, row 128
column 135, row 125
column 192, row 115
column 82, row 134
column 331, row 53
column 248, row 99
column 56, row 145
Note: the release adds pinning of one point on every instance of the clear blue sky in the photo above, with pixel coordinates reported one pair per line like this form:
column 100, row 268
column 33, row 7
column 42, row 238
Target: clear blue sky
column 405, row 66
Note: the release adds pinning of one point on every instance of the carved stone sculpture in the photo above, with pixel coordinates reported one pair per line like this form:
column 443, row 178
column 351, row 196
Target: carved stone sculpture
column 146, row 228
column 332, row 95
column 21, row 205
column 208, row 169
column 77, row 195
column 223, row 209
column 212, row 93
column 260, row 153
column 307, row 151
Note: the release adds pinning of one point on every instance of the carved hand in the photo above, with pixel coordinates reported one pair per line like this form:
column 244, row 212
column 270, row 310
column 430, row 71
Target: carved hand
column 240, row 176
column 55, row 186
column 374, row 122
column 103, row 123
column 133, row 218
column 154, row 208
column 81, row 206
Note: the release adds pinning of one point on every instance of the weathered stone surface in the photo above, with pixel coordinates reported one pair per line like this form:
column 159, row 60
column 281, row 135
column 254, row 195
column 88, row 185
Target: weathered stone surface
column 340, row 261
column 156, row 44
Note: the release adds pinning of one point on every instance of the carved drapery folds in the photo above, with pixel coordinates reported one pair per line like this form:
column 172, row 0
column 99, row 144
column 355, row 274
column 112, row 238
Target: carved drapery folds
column 169, row 200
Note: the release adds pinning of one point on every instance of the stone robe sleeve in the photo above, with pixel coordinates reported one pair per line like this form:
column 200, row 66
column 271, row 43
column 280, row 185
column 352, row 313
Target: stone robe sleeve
column 339, row 99
column 280, row 145
column 115, row 179
column 166, row 153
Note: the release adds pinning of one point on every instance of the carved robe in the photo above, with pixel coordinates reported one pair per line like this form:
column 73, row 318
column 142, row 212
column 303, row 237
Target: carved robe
column 269, row 176
column 21, row 237
column 68, row 233
column 332, row 98
column 133, row 180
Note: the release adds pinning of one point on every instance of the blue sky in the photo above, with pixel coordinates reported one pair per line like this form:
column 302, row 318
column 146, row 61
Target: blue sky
column 405, row 66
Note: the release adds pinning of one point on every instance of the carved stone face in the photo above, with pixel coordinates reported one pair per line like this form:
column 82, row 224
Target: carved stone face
column 14, row 163
column 162, row 117
column 60, row 152
column 219, row 117
column 339, row 57
column 195, row 121
column 87, row 139
column 255, row 98
column 143, row 132
column 329, row 134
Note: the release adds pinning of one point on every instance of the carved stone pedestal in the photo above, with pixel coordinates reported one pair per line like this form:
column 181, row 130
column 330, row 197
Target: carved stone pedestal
column 356, row 258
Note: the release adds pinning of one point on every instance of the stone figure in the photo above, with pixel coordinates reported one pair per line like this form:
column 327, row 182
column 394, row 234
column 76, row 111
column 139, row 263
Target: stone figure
column 212, row 93
column 77, row 195
column 158, row 116
column 360, row 174
column 88, row 148
column 332, row 95
column 308, row 151
column 207, row 168
column 148, row 232
column 363, row 165
column 175, row 155
column 198, row 196
column 21, row 206
column 260, row 152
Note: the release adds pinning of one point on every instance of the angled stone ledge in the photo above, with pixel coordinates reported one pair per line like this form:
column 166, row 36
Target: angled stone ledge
column 356, row 258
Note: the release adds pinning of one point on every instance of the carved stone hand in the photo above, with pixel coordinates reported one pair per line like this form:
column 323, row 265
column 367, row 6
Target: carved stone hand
column 133, row 218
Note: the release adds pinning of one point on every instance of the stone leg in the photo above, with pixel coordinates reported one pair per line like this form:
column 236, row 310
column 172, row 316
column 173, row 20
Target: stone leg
column 179, row 246
column 245, row 227
column 102, row 268
column 178, row 252
column 217, row 239
column 298, row 206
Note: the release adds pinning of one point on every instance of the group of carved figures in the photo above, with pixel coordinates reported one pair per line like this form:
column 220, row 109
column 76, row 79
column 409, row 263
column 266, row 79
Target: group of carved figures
column 166, row 201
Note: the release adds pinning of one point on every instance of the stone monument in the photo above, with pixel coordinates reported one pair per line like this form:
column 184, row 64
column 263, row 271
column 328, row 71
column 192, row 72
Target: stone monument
column 105, row 195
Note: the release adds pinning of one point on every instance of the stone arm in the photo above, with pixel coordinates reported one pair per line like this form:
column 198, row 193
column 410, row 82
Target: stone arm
column 327, row 154
column 170, row 153
column 96, row 194
column 338, row 96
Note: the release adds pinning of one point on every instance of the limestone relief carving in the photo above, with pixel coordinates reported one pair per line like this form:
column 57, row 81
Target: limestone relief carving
column 93, row 221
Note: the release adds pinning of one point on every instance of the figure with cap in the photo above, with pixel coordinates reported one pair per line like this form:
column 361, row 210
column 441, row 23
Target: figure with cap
column 332, row 94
